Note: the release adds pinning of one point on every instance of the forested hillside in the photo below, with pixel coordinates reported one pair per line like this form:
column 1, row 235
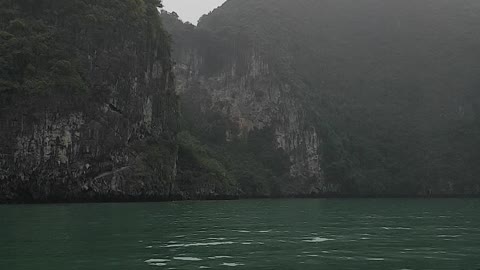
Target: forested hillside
column 277, row 98
column 383, row 94
column 87, row 103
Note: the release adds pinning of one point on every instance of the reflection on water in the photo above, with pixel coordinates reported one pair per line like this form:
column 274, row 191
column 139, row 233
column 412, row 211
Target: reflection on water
column 257, row 234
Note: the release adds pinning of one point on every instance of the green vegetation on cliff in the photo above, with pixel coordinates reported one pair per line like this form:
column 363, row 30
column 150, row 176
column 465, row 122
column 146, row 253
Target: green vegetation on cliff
column 391, row 87
column 87, row 103
column 249, row 166
column 47, row 45
column 278, row 98
column 243, row 166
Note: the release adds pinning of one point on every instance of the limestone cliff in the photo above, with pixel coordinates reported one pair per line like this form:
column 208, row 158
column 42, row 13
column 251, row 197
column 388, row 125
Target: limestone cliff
column 233, row 79
column 358, row 98
column 115, row 137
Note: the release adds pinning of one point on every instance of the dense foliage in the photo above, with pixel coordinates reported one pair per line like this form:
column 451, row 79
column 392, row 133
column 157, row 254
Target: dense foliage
column 243, row 166
column 73, row 48
column 247, row 166
column 86, row 92
column 392, row 86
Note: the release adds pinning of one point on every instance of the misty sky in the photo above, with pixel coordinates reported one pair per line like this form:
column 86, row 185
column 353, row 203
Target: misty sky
column 191, row 10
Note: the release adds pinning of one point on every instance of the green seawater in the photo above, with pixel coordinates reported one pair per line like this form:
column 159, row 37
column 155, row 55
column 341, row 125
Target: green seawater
column 360, row 234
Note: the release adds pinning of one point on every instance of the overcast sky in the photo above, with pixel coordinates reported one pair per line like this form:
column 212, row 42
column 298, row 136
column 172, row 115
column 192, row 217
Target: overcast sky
column 191, row 10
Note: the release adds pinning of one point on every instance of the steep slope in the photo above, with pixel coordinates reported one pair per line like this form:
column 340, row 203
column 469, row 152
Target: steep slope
column 88, row 109
column 363, row 97
column 246, row 113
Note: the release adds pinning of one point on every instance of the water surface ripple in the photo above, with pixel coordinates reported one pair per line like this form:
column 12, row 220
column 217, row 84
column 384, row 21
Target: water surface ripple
column 358, row 234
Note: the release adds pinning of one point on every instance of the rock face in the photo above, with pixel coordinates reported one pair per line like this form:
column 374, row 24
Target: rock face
column 255, row 98
column 238, row 83
column 115, row 142
column 364, row 98
column 277, row 98
column 95, row 152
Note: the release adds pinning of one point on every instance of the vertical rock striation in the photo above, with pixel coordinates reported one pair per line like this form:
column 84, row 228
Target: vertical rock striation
column 365, row 98
column 116, row 140
column 234, row 79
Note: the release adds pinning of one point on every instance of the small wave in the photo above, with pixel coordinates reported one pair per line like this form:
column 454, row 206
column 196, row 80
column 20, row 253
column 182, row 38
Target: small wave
column 220, row 257
column 157, row 264
column 346, row 258
column 157, row 260
column 448, row 236
column 317, row 240
column 232, row 264
column 439, row 252
column 200, row 244
column 192, row 259
column 396, row 228
column 375, row 259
